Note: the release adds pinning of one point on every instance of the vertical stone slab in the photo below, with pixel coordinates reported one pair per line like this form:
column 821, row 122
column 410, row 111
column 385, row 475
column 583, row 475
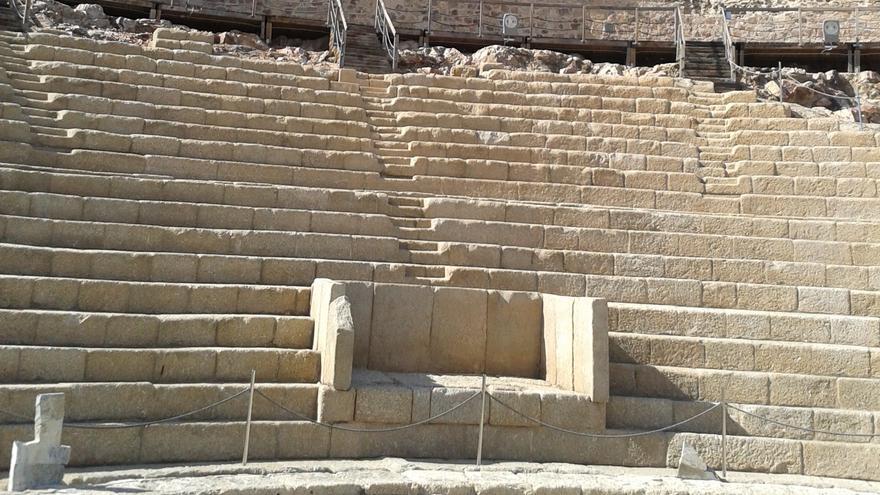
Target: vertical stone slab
column 564, row 311
column 590, row 363
column 458, row 331
column 337, row 352
column 41, row 461
column 324, row 291
column 513, row 334
column 548, row 355
column 401, row 329
column 361, row 296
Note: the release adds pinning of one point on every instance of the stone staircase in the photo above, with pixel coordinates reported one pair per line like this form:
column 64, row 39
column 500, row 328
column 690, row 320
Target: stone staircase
column 363, row 52
column 162, row 213
column 9, row 20
column 706, row 60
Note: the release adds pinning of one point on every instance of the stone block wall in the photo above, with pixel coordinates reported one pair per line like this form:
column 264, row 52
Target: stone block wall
column 421, row 329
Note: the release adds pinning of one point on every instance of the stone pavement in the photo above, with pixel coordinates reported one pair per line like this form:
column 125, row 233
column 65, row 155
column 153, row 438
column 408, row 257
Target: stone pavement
column 401, row 477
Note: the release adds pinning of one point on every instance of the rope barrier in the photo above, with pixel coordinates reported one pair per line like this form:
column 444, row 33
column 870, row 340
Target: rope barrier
column 367, row 430
column 85, row 426
column 780, row 423
column 601, row 435
column 82, row 426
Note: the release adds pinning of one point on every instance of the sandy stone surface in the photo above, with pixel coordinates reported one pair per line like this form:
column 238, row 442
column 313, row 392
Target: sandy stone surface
column 401, row 477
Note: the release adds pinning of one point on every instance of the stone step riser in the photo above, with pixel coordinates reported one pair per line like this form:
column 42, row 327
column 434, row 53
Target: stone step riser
column 21, row 292
column 65, row 328
column 34, row 364
column 138, row 401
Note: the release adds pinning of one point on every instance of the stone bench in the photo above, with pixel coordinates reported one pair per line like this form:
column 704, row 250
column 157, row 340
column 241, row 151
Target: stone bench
column 752, row 325
column 37, row 364
column 22, row 292
column 749, row 387
column 89, row 329
column 124, row 402
column 743, row 354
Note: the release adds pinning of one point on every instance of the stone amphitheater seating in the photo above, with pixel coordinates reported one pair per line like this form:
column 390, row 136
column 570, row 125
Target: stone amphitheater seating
column 164, row 213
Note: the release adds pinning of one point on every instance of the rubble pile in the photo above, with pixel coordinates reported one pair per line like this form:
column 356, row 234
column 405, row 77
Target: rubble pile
column 89, row 20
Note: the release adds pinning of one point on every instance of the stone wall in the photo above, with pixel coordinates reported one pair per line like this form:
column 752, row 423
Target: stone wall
column 419, row 329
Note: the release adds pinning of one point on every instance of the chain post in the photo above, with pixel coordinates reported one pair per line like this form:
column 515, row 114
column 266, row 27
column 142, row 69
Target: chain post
column 583, row 23
column 482, row 421
column 247, row 431
column 859, row 111
column 781, row 96
column 723, row 436
column 480, row 22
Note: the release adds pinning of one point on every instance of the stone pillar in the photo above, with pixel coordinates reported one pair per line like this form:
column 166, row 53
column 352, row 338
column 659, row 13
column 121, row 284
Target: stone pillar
column 41, row 461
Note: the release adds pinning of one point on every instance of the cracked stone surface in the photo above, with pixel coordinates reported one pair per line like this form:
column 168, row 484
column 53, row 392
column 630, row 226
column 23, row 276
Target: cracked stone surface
column 403, row 477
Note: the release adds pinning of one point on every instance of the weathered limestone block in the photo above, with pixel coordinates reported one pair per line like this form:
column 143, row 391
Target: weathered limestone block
column 41, row 461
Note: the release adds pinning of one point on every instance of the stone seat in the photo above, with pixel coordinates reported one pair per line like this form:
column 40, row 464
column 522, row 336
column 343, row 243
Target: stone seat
column 555, row 219
column 160, row 188
column 55, row 364
column 423, row 395
column 121, row 48
column 625, row 288
column 131, row 330
column 127, row 402
column 345, row 155
column 531, row 148
column 206, row 441
column 749, row 387
column 646, row 413
column 206, row 116
column 755, row 326
column 95, row 235
column 591, row 122
column 23, row 292
column 155, row 68
column 742, row 354
column 617, row 170
column 190, row 214
column 185, row 105
column 823, row 186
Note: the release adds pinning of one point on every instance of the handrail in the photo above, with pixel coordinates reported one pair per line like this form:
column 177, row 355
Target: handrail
column 387, row 34
column 680, row 43
column 729, row 50
column 338, row 29
column 23, row 12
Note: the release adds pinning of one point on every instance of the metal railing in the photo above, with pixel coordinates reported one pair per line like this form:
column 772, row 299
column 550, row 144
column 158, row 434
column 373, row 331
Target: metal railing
column 387, row 34
column 23, row 11
column 338, row 30
column 680, row 43
column 729, row 50
column 804, row 24
column 541, row 20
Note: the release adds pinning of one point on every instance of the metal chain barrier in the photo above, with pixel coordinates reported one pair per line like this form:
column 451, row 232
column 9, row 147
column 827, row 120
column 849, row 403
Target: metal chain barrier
column 801, row 428
column 367, row 430
column 86, row 426
column 600, row 435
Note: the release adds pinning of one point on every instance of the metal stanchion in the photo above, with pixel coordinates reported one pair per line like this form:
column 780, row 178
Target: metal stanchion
column 482, row 422
column 781, row 97
column 859, row 111
column 247, row 431
column 723, row 436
